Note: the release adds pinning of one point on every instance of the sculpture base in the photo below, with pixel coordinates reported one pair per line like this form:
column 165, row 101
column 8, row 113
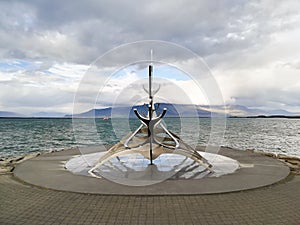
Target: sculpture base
column 136, row 167
column 48, row 171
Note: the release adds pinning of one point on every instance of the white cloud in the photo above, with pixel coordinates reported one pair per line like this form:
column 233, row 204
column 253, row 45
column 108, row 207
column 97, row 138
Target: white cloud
column 268, row 87
column 128, row 89
column 251, row 46
column 50, row 90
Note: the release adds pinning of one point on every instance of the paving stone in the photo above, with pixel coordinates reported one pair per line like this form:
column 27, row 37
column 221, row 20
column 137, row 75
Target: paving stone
column 22, row 204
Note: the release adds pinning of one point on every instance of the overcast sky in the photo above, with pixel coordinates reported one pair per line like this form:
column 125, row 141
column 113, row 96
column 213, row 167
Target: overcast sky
column 251, row 47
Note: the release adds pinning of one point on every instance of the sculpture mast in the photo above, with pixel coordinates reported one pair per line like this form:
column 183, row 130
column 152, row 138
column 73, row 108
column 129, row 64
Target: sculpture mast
column 150, row 107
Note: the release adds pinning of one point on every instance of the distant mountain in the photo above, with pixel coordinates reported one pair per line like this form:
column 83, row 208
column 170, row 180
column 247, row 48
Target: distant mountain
column 11, row 114
column 48, row 114
column 94, row 113
column 281, row 112
column 39, row 114
column 238, row 110
column 173, row 110
column 181, row 110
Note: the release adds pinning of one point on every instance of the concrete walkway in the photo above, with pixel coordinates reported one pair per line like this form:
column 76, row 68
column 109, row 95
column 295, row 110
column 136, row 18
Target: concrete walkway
column 25, row 204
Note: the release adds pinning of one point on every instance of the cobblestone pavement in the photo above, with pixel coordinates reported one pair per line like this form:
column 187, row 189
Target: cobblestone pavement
column 24, row 204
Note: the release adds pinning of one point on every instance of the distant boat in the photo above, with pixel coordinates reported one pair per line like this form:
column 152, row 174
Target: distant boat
column 105, row 118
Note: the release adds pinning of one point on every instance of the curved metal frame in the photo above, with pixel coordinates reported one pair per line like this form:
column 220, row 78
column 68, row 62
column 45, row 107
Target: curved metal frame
column 150, row 123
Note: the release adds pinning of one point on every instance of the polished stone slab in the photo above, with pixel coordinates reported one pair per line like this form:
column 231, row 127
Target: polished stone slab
column 256, row 170
column 134, row 169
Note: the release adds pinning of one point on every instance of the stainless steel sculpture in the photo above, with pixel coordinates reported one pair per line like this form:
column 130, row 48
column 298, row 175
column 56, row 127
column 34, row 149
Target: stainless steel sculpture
column 152, row 138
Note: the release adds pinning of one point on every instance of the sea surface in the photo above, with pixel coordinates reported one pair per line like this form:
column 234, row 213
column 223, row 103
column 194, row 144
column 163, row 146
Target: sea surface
column 30, row 135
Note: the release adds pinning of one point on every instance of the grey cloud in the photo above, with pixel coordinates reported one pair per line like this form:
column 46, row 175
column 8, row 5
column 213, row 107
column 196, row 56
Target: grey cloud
column 93, row 27
column 230, row 35
column 276, row 97
column 31, row 96
column 292, row 65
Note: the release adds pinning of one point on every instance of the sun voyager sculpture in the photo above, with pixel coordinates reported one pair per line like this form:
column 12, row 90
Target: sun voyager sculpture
column 151, row 139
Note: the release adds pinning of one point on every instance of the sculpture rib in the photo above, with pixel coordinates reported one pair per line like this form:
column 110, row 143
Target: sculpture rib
column 124, row 148
column 146, row 141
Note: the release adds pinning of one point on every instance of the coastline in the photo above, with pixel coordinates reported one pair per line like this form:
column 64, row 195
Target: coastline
column 292, row 162
column 7, row 165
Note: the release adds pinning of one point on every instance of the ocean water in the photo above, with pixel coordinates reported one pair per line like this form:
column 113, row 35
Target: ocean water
column 22, row 136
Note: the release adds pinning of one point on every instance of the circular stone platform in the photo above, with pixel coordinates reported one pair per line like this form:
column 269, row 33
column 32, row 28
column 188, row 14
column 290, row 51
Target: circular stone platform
column 134, row 169
column 255, row 170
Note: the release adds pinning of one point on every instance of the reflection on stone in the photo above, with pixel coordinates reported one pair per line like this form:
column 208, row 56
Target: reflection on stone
column 136, row 167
